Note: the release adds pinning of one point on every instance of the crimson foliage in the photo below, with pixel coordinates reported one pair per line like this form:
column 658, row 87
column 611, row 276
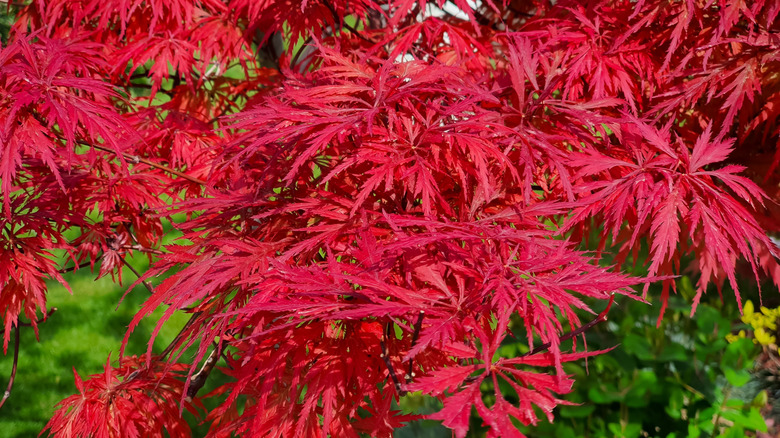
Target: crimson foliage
column 377, row 194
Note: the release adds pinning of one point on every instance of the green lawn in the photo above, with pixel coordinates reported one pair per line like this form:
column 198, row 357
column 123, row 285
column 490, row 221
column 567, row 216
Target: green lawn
column 87, row 328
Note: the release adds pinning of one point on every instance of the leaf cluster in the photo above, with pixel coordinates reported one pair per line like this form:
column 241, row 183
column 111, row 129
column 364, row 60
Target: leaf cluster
column 377, row 195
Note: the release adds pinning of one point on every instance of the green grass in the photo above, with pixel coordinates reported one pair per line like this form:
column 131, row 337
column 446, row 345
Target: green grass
column 87, row 328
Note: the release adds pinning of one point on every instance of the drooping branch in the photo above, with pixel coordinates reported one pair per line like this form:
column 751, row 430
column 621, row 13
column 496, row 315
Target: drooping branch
column 75, row 267
column 601, row 317
column 136, row 159
column 300, row 51
column 17, row 335
column 138, row 275
column 178, row 337
column 343, row 24
column 11, row 379
column 38, row 321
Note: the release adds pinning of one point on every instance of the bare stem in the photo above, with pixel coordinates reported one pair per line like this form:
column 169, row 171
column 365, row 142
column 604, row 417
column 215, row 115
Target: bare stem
column 75, row 267
column 300, row 50
column 385, row 356
column 342, row 24
column 141, row 248
column 137, row 159
column 199, row 379
column 176, row 340
column 601, row 317
column 138, row 275
column 415, row 336
column 13, row 368
column 38, row 321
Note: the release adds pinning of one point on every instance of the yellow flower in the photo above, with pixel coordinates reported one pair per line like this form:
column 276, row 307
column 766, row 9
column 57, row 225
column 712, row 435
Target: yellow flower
column 770, row 317
column 748, row 313
column 763, row 337
column 747, row 309
column 732, row 337
column 764, row 324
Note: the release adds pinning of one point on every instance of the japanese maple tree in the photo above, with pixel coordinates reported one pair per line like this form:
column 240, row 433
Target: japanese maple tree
column 376, row 195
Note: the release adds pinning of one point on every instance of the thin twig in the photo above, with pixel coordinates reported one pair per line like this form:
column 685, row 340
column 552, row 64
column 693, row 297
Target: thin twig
column 13, row 368
column 75, row 267
column 141, row 248
column 38, row 321
column 601, row 317
column 341, row 22
column 138, row 275
column 175, row 340
column 300, row 50
column 393, row 375
column 415, row 336
column 385, row 356
column 137, row 159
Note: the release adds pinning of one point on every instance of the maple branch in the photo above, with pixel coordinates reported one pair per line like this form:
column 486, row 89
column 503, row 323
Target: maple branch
column 199, row 379
column 75, row 267
column 176, row 80
column 176, row 340
column 38, row 321
column 136, row 159
column 342, row 24
column 138, row 275
column 140, row 248
column 393, row 375
column 300, row 50
column 11, row 379
column 333, row 12
column 385, row 356
column 519, row 12
column 601, row 317
column 139, row 74
column 231, row 100
column 417, row 327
